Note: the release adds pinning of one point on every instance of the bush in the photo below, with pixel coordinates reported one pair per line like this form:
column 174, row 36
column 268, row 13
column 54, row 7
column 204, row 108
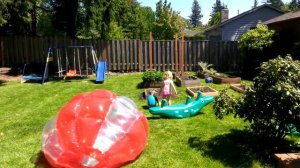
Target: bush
column 252, row 45
column 152, row 76
column 256, row 39
column 224, row 104
column 273, row 102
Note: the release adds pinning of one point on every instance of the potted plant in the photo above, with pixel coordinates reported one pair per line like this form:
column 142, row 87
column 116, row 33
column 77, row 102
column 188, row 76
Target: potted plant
column 205, row 70
column 152, row 78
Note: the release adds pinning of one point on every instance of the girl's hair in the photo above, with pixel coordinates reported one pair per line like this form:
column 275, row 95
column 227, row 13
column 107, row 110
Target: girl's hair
column 168, row 75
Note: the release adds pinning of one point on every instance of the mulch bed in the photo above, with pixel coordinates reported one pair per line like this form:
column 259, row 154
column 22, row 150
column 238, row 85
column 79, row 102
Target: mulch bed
column 9, row 74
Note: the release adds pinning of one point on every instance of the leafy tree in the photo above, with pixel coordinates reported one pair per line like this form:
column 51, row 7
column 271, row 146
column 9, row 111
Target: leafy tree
column 273, row 101
column 3, row 12
column 147, row 16
column 96, row 16
column 195, row 17
column 126, row 14
column 167, row 22
column 18, row 17
column 294, row 5
column 115, row 19
column 65, row 15
column 215, row 16
column 215, row 19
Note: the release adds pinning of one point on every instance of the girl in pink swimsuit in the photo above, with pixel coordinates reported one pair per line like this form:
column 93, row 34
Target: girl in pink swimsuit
column 167, row 87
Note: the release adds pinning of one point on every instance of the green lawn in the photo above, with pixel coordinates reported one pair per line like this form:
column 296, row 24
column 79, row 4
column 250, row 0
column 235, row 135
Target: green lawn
column 199, row 141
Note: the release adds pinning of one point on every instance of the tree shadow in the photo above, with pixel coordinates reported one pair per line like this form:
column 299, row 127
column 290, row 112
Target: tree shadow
column 240, row 148
column 40, row 160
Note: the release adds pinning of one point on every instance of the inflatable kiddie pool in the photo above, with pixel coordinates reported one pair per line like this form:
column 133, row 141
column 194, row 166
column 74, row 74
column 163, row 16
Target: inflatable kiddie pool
column 96, row 129
column 188, row 109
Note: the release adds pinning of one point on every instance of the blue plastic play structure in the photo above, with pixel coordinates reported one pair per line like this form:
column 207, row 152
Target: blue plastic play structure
column 190, row 108
column 42, row 78
column 100, row 71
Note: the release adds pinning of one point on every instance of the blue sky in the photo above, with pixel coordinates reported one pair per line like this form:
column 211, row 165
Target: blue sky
column 184, row 6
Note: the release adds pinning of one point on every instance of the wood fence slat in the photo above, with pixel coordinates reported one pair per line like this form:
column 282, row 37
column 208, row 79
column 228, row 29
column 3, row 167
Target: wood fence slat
column 163, row 55
column 146, row 55
column 120, row 54
column 131, row 45
column 140, row 55
column 135, row 54
column 158, row 56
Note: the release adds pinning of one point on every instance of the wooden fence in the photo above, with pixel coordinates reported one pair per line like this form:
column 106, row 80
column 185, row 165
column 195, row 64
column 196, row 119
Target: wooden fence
column 128, row 55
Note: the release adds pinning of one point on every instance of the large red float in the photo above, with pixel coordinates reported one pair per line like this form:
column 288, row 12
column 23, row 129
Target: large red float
column 96, row 129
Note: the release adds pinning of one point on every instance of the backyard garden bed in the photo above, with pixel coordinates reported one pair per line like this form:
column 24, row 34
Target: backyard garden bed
column 205, row 90
column 238, row 87
column 226, row 79
column 187, row 80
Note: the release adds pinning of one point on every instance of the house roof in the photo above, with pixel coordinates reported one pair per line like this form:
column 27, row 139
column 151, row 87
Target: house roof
column 190, row 32
column 241, row 15
column 284, row 17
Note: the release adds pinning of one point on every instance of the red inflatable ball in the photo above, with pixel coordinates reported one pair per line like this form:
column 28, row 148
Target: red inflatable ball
column 96, row 129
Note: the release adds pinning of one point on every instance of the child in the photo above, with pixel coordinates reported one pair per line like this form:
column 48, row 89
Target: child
column 152, row 99
column 168, row 86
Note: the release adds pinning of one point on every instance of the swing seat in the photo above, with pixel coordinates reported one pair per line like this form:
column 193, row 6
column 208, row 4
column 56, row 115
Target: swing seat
column 71, row 73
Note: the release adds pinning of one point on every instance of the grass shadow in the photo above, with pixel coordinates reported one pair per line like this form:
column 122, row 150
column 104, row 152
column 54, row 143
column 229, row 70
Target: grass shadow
column 145, row 107
column 2, row 82
column 40, row 161
column 240, row 148
column 141, row 85
column 154, row 117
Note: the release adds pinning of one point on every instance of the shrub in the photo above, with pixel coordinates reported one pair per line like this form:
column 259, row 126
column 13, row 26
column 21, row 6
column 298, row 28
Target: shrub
column 273, row 102
column 257, row 38
column 252, row 45
column 152, row 76
column 224, row 104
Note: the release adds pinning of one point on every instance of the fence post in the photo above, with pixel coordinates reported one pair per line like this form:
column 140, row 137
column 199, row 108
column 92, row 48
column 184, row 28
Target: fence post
column 182, row 54
column 150, row 50
column 176, row 54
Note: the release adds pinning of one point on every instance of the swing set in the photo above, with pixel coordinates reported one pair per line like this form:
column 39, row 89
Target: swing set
column 66, row 62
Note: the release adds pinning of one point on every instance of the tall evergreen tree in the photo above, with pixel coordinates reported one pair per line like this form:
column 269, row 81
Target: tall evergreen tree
column 195, row 17
column 255, row 4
